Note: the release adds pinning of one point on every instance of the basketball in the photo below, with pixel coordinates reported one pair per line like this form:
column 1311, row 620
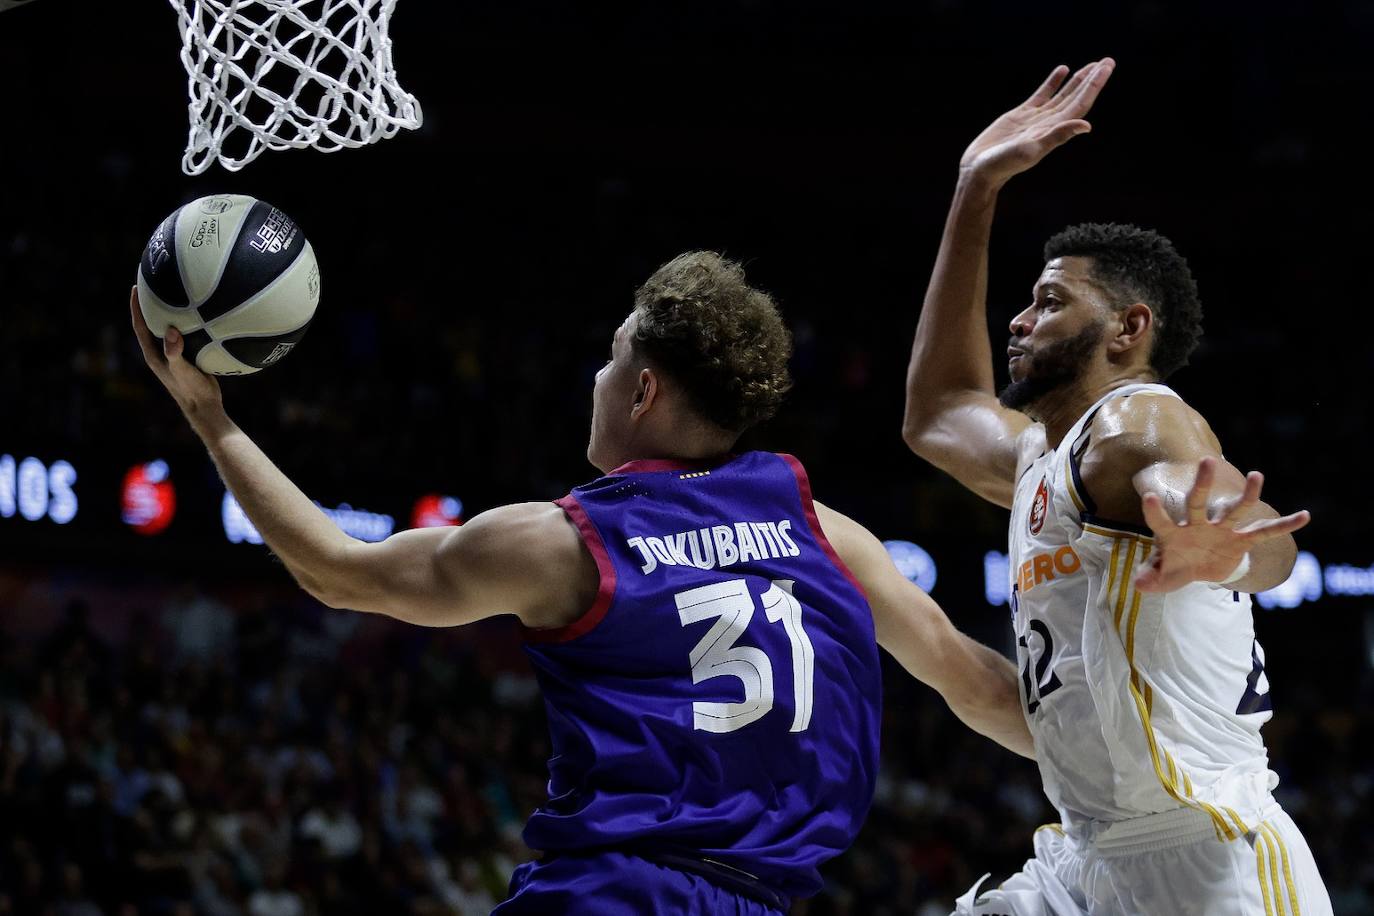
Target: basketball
column 236, row 277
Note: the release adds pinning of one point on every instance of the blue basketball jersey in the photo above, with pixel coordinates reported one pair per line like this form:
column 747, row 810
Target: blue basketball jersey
column 722, row 695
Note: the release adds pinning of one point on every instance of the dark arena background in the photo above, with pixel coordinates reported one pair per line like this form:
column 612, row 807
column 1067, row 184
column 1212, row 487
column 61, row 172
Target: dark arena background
column 184, row 731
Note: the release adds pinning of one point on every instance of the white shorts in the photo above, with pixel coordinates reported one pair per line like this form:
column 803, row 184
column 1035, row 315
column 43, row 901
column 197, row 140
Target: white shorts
column 1169, row 864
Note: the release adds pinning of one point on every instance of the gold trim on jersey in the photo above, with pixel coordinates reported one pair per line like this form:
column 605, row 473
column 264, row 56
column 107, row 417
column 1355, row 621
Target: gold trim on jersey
column 1127, row 586
column 1107, row 532
column 1272, row 836
column 1272, row 868
column 1262, row 847
column 1111, row 575
column 1172, row 777
column 1073, row 491
column 1057, row 828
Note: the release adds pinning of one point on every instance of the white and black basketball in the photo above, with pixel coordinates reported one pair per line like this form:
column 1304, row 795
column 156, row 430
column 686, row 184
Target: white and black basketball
column 236, row 277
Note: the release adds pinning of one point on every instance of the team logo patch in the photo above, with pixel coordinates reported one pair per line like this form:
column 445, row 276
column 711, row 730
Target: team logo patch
column 1039, row 507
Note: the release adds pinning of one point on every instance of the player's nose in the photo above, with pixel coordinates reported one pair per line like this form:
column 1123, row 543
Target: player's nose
column 1022, row 324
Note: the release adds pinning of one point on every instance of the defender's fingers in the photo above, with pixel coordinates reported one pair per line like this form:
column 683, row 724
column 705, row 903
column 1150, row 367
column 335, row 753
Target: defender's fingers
column 1201, row 491
column 1151, row 578
column 1077, row 98
column 1249, row 497
column 1267, row 530
column 1155, row 516
column 1066, row 91
column 1063, row 132
column 1048, row 87
column 1092, row 85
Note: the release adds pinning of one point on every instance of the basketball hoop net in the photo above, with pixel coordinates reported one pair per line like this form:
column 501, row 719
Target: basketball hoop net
column 288, row 74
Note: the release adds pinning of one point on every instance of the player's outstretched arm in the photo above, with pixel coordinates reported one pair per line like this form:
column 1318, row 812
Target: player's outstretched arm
column 978, row 683
column 524, row 559
column 953, row 418
column 1154, row 460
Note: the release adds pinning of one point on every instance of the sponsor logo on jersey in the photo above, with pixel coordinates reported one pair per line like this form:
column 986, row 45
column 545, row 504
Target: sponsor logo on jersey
column 1039, row 508
column 1046, row 566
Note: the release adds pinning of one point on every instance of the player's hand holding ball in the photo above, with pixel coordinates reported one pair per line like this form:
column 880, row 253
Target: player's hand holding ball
column 192, row 389
column 230, row 285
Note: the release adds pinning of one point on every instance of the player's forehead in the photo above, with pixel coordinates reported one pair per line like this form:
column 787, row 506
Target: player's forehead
column 623, row 333
column 1072, row 273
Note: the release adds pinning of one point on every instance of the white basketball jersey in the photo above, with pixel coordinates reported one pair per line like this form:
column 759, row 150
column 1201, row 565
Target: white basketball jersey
column 1139, row 703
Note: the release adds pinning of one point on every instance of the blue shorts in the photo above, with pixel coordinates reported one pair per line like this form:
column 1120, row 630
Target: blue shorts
column 615, row 884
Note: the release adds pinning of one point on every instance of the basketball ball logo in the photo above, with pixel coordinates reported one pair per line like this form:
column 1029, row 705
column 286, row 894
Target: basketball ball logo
column 1039, row 506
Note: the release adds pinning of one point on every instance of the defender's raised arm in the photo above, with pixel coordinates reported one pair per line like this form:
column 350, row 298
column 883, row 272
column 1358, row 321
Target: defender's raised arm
column 953, row 418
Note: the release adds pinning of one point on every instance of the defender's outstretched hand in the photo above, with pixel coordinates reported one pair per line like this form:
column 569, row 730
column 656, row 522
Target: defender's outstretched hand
column 1203, row 549
column 1052, row 116
column 192, row 389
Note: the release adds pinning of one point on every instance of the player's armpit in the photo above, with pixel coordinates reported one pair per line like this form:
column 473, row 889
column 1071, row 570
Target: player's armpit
column 525, row 559
column 973, row 438
column 978, row 683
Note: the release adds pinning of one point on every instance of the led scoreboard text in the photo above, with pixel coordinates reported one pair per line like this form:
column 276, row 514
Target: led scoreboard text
column 33, row 490
column 363, row 525
column 146, row 502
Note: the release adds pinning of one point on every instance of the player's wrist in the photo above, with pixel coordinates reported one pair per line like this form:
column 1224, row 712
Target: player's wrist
column 1240, row 572
column 978, row 184
column 208, row 419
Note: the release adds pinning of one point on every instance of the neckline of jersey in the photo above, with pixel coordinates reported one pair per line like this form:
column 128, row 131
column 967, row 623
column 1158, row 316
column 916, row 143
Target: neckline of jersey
column 649, row 465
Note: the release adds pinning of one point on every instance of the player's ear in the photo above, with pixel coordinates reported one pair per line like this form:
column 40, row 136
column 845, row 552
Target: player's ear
column 1132, row 327
column 647, row 389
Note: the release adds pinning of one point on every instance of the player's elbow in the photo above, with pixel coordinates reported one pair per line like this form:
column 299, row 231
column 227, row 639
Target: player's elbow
column 332, row 594
column 911, row 432
column 918, row 432
column 976, row 699
column 930, row 442
column 337, row 583
column 1273, row 563
column 366, row 601
column 926, row 420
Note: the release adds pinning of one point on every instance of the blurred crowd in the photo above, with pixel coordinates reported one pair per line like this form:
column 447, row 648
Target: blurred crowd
column 214, row 756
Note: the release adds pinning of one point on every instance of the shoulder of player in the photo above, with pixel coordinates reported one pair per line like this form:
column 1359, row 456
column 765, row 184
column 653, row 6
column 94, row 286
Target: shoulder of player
column 856, row 545
column 531, row 544
column 1141, row 429
column 527, row 558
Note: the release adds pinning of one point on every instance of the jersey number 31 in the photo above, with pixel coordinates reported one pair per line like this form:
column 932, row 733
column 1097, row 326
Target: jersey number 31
column 716, row 655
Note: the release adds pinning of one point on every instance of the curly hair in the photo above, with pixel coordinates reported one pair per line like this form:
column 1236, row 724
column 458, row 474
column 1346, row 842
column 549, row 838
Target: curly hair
column 719, row 337
column 1140, row 265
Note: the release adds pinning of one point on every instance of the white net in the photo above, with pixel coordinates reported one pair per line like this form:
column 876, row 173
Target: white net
column 288, row 74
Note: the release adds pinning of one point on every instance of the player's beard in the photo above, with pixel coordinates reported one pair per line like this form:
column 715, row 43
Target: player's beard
column 1052, row 367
